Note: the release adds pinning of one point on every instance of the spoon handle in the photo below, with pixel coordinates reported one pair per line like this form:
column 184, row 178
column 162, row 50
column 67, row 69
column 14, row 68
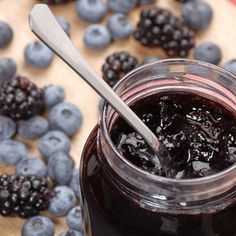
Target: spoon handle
column 46, row 27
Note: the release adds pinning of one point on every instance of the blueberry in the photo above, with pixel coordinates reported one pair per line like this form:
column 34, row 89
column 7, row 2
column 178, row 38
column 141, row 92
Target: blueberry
column 150, row 59
column 60, row 168
column 143, row 2
column 33, row 128
column 197, row 14
column 38, row 55
column 62, row 201
column 64, row 24
column 122, row 6
column 91, row 10
column 7, row 127
column 208, row 52
column 52, row 142
column 7, row 69
column 12, row 151
column 97, row 37
column 71, row 232
column 231, row 66
column 65, row 117
column 120, row 26
column 38, row 226
column 6, row 34
column 53, row 95
column 74, row 219
column 31, row 166
column 75, row 183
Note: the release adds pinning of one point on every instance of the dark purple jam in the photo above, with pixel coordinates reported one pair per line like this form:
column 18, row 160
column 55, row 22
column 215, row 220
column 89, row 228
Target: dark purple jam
column 199, row 135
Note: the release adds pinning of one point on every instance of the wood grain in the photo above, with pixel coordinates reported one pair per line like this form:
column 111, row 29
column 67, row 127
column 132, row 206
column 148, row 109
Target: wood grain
column 222, row 31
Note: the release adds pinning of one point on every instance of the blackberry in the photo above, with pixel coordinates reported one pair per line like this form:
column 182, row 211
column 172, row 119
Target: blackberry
column 20, row 99
column 55, row 1
column 23, row 196
column 159, row 28
column 117, row 65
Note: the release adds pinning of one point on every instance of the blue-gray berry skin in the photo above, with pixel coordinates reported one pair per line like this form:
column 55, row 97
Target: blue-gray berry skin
column 91, row 11
column 197, row 14
column 150, row 59
column 97, row 37
column 62, row 201
column 12, row 151
column 7, row 128
column 143, row 2
column 31, row 166
column 53, row 95
column 7, row 69
column 74, row 219
column 38, row 55
column 120, row 26
column 75, row 183
column 60, row 168
column 52, row 142
column 122, row 6
column 64, row 24
column 65, row 117
column 6, row 34
column 71, row 232
column 231, row 66
column 33, row 128
column 38, row 226
column 208, row 52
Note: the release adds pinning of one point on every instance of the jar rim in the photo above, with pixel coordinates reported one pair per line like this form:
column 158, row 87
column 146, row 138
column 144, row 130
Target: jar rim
column 167, row 180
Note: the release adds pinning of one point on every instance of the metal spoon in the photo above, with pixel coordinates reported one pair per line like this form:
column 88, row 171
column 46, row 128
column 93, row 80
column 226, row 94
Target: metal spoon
column 45, row 26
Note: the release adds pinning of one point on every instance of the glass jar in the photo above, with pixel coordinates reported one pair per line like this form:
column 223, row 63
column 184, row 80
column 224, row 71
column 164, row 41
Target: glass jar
column 119, row 199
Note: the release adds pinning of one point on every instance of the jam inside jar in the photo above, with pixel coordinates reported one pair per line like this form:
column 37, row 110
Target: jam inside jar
column 123, row 194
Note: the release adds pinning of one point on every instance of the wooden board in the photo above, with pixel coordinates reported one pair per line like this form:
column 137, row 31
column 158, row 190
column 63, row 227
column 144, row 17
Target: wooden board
column 222, row 31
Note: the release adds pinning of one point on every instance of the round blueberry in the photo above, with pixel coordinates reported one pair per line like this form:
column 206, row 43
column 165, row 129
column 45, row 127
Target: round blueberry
column 150, row 59
column 65, row 117
column 6, row 34
column 74, row 219
column 53, row 95
column 120, row 26
column 31, row 166
column 52, row 142
column 75, row 183
column 143, row 2
column 33, row 128
column 122, row 6
column 38, row 55
column 71, row 232
column 91, row 10
column 97, row 37
column 231, row 66
column 197, row 14
column 208, row 52
column 12, row 151
column 7, row 69
column 38, row 226
column 60, row 168
column 64, row 24
column 7, row 128
column 62, row 201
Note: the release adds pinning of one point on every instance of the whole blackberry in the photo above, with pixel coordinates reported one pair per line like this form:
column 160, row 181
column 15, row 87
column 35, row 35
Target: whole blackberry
column 55, row 1
column 117, row 65
column 20, row 99
column 159, row 28
column 23, row 196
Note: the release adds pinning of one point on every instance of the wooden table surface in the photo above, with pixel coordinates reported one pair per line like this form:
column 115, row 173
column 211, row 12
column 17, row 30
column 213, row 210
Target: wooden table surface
column 222, row 31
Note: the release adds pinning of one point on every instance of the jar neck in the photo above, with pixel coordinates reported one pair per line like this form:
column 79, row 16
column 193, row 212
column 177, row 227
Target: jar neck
column 154, row 191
